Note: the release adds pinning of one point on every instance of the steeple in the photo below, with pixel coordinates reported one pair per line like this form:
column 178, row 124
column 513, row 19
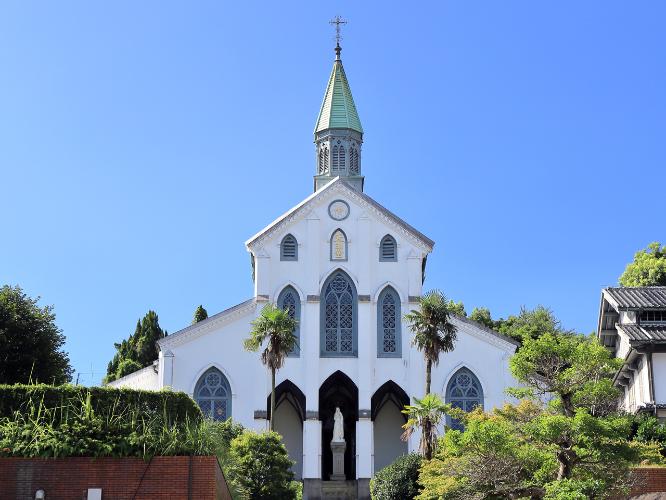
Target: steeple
column 338, row 134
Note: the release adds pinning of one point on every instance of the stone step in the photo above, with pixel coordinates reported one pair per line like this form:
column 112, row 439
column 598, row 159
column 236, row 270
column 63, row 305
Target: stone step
column 339, row 490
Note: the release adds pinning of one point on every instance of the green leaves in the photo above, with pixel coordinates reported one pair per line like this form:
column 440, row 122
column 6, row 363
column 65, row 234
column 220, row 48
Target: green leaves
column 30, row 342
column 276, row 328
column 648, row 267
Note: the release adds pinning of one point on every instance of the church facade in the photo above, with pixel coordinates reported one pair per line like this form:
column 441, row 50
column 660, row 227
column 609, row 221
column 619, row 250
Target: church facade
column 348, row 270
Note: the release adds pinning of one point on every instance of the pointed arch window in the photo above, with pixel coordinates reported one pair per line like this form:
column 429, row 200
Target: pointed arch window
column 290, row 301
column 388, row 324
column 325, row 159
column 353, row 161
column 388, row 249
column 213, row 395
column 338, row 245
column 339, row 161
column 339, row 312
column 321, row 160
column 464, row 391
column 289, row 248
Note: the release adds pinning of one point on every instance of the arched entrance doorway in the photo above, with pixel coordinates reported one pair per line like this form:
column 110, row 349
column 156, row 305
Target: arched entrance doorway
column 386, row 408
column 338, row 390
column 289, row 417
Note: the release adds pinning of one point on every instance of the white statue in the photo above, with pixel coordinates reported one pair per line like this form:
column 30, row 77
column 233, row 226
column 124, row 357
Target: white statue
column 338, row 427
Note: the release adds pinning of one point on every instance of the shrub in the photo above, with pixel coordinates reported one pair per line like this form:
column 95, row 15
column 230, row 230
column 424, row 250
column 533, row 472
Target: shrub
column 260, row 467
column 127, row 366
column 650, row 430
column 397, row 481
column 174, row 406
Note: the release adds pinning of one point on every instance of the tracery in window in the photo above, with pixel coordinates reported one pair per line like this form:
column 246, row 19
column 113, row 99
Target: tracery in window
column 464, row 391
column 291, row 302
column 213, row 395
column 388, row 324
column 339, row 304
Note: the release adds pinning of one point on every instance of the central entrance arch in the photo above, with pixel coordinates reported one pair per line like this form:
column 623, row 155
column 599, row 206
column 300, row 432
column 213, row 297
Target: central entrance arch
column 338, row 390
column 289, row 418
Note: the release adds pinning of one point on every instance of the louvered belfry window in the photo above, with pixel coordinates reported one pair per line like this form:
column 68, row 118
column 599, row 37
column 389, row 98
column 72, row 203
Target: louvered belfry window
column 353, row 161
column 338, row 165
column 289, row 248
column 388, row 249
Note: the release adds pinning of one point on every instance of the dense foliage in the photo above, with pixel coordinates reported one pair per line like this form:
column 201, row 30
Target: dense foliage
column 199, row 315
column 575, row 446
column 397, row 481
column 67, row 421
column 260, row 467
column 177, row 406
column 30, row 342
column 648, row 267
column 138, row 351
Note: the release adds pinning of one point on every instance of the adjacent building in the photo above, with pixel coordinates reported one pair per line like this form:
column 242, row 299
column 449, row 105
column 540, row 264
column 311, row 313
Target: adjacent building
column 632, row 323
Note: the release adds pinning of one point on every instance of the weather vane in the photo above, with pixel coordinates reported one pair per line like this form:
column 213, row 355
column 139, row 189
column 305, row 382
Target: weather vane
column 337, row 21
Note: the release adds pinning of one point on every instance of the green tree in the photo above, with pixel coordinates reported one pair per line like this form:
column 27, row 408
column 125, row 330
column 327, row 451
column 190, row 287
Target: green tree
column 399, row 480
column 530, row 323
column 425, row 414
column 260, row 467
column 199, row 315
column 140, row 347
column 457, row 308
column 275, row 328
column 482, row 315
column 30, row 342
column 648, row 267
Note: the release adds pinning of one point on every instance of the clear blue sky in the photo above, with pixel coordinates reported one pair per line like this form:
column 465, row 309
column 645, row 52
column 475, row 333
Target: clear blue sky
column 141, row 143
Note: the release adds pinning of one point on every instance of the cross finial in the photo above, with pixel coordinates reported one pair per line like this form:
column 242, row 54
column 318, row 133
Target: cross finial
column 337, row 21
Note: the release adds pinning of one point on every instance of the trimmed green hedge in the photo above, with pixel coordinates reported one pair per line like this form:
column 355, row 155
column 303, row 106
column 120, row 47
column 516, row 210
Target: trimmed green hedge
column 176, row 406
column 397, row 481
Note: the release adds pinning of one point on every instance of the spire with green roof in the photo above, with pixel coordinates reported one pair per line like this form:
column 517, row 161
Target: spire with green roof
column 338, row 134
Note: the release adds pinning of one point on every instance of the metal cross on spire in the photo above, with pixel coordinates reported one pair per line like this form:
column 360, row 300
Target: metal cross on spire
column 337, row 21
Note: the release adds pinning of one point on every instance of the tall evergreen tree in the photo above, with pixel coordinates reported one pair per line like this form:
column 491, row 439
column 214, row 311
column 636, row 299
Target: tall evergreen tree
column 30, row 342
column 140, row 348
column 200, row 314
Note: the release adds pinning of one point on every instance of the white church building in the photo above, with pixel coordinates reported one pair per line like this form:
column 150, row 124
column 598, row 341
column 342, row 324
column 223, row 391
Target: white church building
column 348, row 269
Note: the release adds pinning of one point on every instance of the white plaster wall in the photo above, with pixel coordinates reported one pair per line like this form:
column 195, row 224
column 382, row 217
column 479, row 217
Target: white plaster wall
column 146, row 379
column 288, row 424
column 387, row 430
column 659, row 376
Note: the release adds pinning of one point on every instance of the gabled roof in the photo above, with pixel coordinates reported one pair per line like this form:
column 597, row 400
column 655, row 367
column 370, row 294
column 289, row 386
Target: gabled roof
column 640, row 297
column 336, row 186
column 484, row 328
column 338, row 109
column 206, row 325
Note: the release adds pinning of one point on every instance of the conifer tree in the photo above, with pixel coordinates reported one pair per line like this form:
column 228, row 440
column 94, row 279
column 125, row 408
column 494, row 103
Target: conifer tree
column 200, row 314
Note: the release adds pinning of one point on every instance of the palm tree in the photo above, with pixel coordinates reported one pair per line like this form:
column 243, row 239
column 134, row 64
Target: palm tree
column 433, row 331
column 275, row 328
column 426, row 414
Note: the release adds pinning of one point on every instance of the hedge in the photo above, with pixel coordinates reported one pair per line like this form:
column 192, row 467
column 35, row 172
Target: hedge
column 175, row 406
column 397, row 481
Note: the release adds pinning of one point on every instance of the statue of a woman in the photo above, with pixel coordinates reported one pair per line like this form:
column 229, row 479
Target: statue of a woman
column 338, row 427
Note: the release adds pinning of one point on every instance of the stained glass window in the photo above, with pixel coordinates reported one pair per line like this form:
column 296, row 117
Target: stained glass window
column 290, row 301
column 388, row 312
column 464, row 392
column 213, row 395
column 339, row 309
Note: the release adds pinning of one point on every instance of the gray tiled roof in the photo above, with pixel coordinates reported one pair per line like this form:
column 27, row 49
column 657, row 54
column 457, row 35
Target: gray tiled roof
column 638, row 297
column 483, row 327
column 642, row 333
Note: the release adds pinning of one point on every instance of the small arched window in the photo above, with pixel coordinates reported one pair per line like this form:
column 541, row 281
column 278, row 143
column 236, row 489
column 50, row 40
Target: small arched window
column 339, row 245
column 464, row 391
column 388, row 249
column 341, row 158
column 338, row 316
column 388, row 324
column 335, row 164
column 289, row 248
column 213, row 395
column 321, row 160
column 290, row 301
column 325, row 159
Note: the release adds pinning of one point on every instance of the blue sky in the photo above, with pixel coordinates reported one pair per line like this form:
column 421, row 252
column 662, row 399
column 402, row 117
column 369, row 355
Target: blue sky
column 141, row 143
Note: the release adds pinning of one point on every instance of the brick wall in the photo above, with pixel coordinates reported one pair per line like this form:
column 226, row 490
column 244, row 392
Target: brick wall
column 649, row 480
column 162, row 478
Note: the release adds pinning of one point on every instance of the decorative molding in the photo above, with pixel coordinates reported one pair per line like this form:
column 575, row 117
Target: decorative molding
column 311, row 415
column 261, row 253
column 364, row 298
column 482, row 334
column 337, row 188
column 260, row 414
column 206, row 326
column 312, row 298
column 262, row 298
